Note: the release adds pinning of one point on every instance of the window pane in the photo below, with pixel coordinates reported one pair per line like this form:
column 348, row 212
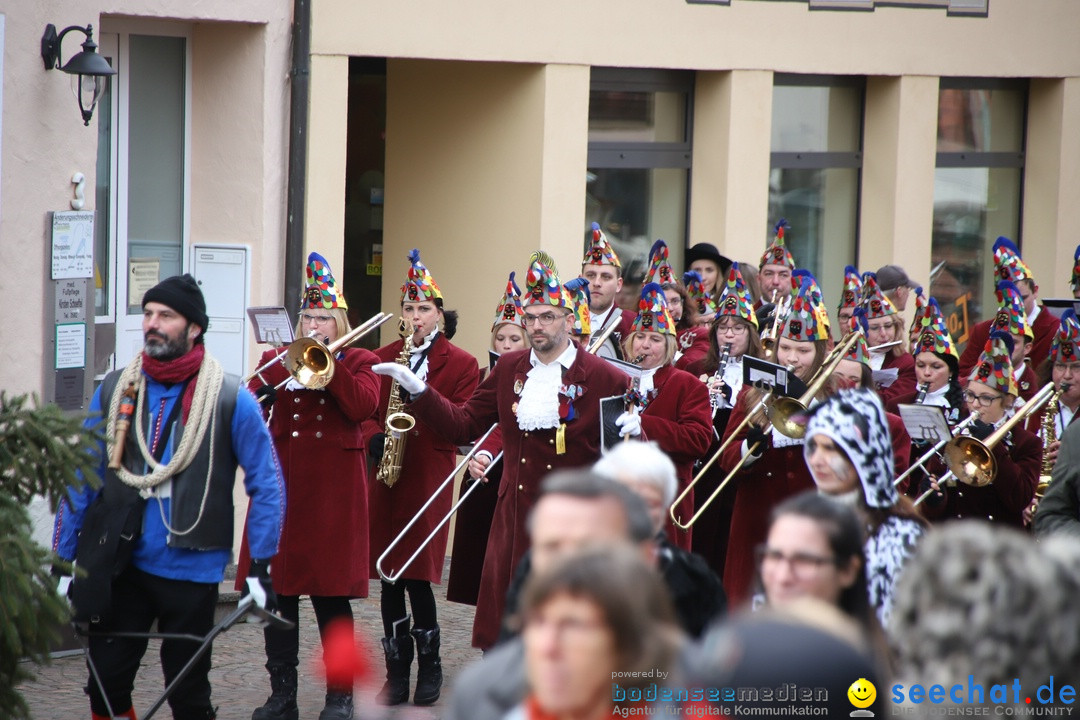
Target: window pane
column 972, row 207
column 973, row 120
column 820, row 206
column 630, row 117
column 816, row 119
column 635, row 208
column 156, row 153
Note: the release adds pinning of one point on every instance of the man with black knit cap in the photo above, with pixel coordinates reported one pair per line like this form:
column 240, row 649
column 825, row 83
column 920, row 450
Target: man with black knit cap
column 155, row 538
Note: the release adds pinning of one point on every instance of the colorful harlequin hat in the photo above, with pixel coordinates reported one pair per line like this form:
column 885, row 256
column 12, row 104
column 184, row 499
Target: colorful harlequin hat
column 851, row 295
column 600, row 251
column 875, row 302
column 797, row 278
column 695, row 292
column 860, row 351
column 509, row 310
column 735, row 300
column 1008, row 263
column 1075, row 280
column 653, row 315
column 803, row 323
column 1011, row 316
column 322, row 291
column 1066, row 344
column 578, row 288
column 542, row 283
column 932, row 333
column 777, row 253
column 994, row 368
column 920, row 304
column 659, row 268
column 419, row 286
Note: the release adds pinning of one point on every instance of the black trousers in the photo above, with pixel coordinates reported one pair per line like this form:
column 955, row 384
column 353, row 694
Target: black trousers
column 283, row 646
column 179, row 607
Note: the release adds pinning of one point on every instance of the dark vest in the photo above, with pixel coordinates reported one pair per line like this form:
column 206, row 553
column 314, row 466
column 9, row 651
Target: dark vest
column 215, row 527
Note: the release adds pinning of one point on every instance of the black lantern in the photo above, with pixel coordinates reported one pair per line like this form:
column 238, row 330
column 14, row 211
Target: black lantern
column 88, row 70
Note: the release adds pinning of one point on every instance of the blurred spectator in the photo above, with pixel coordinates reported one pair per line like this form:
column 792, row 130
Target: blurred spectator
column 895, row 283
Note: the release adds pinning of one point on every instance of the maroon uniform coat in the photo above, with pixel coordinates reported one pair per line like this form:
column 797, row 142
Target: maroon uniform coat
column 777, row 475
column 527, row 458
column 1044, row 328
column 472, row 526
column 905, row 376
column 317, row 434
column 679, row 419
column 1019, row 460
column 429, row 457
column 694, row 344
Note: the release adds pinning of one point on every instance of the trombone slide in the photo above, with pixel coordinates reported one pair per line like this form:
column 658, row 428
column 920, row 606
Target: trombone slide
column 394, row 575
column 936, row 449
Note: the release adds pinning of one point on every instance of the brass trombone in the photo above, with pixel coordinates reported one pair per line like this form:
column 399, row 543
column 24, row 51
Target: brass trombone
column 394, row 576
column 785, row 409
column 936, row 449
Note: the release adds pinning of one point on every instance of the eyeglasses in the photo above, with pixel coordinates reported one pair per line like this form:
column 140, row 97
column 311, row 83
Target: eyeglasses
column 734, row 329
column 982, row 400
column 542, row 320
column 801, row 564
column 316, row 319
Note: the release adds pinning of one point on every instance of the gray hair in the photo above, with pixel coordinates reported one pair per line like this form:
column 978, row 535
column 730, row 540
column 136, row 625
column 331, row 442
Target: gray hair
column 643, row 462
column 591, row 486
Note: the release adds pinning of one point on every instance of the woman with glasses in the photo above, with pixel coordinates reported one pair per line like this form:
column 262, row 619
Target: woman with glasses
column 732, row 332
column 991, row 391
column 850, row 455
column 673, row 405
column 428, row 459
column 936, row 366
column 888, row 346
column 317, row 434
column 772, row 467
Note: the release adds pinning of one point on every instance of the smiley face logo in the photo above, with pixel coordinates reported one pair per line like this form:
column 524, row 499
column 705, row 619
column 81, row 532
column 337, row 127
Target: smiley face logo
column 862, row 693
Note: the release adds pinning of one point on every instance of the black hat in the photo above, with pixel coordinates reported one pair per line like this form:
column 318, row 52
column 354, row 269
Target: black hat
column 182, row 294
column 707, row 251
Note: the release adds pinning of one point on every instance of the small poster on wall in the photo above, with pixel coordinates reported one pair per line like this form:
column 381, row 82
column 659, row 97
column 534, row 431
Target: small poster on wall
column 143, row 274
column 72, row 245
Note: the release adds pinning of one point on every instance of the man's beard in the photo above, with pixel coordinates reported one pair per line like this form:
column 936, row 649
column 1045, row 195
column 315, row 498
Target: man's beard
column 167, row 349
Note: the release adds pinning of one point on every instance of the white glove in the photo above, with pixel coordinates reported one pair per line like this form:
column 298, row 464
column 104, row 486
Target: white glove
column 63, row 586
column 406, row 378
column 629, row 424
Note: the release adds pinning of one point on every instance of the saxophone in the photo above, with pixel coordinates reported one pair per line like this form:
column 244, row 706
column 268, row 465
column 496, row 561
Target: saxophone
column 398, row 422
column 1049, row 436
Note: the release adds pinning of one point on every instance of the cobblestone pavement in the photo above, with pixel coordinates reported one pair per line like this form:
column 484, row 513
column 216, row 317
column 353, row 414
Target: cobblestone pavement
column 239, row 680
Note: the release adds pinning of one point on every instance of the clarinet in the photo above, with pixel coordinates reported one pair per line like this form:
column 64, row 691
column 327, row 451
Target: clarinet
column 922, row 393
column 714, row 390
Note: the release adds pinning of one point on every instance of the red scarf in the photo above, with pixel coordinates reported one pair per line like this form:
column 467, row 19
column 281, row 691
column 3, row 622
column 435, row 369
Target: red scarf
column 173, row 371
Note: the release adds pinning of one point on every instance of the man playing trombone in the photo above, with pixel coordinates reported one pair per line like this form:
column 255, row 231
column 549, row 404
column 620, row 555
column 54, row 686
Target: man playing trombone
column 547, row 402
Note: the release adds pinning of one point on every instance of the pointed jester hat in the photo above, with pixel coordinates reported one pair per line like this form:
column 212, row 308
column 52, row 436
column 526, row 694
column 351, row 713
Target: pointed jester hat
column 994, row 368
column 1065, row 347
column 419, row 285
column 851, row 296
column 659, row 268
column 777, row 253
column 797, row 278
column 735, row 300
column 1011, row 316
column 1008, row 263
column 877, row 305
column 803, row 323
column 695, row 292
column 1074, row 281
column 542, row 284
column 600, row 251
column 578, row 288
column 859, row 351
column 322, row 292
column 509, row 310
column 653, row 315
column 933, row 333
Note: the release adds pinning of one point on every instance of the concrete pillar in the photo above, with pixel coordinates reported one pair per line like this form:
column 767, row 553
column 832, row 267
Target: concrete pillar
column 324, row 217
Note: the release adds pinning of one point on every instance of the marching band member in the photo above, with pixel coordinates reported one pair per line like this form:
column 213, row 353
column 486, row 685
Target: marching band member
column 601, row 267
column 547, row 402
column 474, row 517
column 692, row 338
column 674, row 406
column 1012, row 319
column 887, row 326
column 428, row 458
column 711, row 267
column 850, row 298
column 1008, row 265
column 936, row 366
column 733, row 335
column 776, row 266
column 774, row 469
column 700, row 300
column 847, row 450
column 991, row 390
column 327, row 501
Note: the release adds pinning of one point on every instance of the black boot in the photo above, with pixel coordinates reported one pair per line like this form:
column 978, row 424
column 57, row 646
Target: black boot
column 281, row 705
column 338, row 706
column 429, row 675
column 399, row 657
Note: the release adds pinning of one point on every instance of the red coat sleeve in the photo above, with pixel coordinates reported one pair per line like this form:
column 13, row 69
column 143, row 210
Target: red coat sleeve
column 682, row 422
column 905, row 377
column 1018, row 470
column 901, row 444
column 354, row 386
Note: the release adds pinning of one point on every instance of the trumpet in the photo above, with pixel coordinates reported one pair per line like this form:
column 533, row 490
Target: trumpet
column 972, row 461
column 786, row 409
column 936, row 449
column 311, row 363
column 394, row 575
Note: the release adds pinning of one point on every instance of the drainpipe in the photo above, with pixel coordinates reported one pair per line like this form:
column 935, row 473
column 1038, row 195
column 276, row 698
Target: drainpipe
column 300, row 75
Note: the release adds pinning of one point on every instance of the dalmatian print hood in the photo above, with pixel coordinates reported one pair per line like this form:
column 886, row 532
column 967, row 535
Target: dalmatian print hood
column 855, row 420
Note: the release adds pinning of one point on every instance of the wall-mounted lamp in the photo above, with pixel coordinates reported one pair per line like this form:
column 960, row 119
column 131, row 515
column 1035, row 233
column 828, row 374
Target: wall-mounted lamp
column 87, row 68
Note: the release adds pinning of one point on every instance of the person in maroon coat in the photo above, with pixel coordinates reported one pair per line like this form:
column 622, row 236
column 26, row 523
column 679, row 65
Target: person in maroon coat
column 1008, row 265
column 886, row 325
column 692, row 338
column 991, row 390
column 429, row 456
column 317, row 434
column 601, row 267
column 546, row 401
column 674, row 405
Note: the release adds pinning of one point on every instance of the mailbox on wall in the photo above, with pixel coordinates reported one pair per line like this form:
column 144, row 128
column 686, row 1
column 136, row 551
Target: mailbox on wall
column 222, row 272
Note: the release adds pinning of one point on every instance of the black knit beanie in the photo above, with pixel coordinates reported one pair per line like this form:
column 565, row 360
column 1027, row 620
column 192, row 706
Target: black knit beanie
column 182, row 294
